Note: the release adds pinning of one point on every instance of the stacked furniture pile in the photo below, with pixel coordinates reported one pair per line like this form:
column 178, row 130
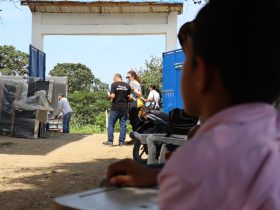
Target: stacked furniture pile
column 24, row 105
column 11, row 89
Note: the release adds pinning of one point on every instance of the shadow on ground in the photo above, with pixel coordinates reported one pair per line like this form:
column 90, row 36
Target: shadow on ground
column 41, row 146
column 52, row 182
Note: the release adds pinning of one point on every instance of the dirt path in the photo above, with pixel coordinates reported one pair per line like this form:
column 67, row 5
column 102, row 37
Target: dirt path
column 33, row 172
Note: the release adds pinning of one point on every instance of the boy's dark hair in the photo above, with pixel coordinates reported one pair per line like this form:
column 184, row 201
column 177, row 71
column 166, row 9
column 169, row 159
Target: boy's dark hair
column 241, row 40
column 185, row 32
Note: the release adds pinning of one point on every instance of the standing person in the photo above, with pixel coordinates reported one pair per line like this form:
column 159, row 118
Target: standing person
column 120, row 94
column 135, row 84
column 65, row 108
column 153, row 98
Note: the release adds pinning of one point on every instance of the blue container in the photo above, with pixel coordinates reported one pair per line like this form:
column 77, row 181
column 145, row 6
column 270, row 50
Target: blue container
column 171, row 87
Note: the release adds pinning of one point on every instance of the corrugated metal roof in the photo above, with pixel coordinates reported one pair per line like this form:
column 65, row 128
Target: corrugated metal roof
column 87, row 1
column 130, row 6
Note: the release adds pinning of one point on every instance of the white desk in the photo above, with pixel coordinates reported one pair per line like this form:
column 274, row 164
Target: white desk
column 112, row 198
column 151, row 141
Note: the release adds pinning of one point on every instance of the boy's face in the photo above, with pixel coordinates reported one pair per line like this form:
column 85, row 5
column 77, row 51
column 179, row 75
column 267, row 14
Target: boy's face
column 189, row 90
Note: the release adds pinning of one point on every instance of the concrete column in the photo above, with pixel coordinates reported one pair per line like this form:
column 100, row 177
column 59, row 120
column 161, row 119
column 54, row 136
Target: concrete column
column 171, row 33
column 37, row 35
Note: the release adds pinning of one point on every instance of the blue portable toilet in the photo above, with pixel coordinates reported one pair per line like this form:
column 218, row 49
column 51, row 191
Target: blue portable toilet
column 172, row 72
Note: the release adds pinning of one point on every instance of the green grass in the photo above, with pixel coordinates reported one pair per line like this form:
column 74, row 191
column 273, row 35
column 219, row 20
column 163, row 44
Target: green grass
column 86, row 129
column 93, row 129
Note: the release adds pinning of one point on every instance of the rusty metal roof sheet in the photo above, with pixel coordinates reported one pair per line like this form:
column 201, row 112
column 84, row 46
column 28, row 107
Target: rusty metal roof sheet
column 139, row 6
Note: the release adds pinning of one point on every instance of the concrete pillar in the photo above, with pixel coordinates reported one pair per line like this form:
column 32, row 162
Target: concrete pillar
column 171, row 34
column 37, row 35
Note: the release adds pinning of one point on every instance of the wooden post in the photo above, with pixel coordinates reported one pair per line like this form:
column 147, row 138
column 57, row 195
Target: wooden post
column 106, row 116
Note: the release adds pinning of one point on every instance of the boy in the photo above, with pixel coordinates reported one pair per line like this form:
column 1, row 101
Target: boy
column 230, row 80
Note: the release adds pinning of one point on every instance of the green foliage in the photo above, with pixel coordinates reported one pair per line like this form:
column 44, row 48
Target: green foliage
column 151, row 74
column 89, row 112
column 85, row 129
column 88, row 129
column 87, row 120
column 88, row 95
column 80, row 77
column 87, row 106
column 98, row 127
column 13, row 62
column 99, row 86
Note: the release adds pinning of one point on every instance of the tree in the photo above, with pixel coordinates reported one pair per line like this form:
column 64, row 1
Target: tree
column 98, row 85
column 87, row 96
column 80, row 77
column 88, row 105
column 151, row 74
column 12, row 61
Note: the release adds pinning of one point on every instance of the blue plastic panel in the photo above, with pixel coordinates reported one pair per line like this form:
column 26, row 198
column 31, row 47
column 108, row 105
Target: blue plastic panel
column 33, row 58
column 37, row 63
column 41, row 65
column 172, row 71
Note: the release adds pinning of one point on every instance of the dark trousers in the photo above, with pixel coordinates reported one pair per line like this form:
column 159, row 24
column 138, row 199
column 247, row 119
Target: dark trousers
column 133, row 115
column 114, row 116
column 66, row 121
column 47, row 125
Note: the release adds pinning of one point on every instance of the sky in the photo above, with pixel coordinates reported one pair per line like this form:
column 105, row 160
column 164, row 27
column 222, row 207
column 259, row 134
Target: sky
column 104, row 55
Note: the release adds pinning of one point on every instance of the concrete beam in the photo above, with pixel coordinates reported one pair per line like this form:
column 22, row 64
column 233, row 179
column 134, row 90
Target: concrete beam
column 44, row 24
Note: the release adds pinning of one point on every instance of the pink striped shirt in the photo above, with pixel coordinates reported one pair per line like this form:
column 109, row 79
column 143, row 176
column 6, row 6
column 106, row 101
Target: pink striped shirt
column 232, row 163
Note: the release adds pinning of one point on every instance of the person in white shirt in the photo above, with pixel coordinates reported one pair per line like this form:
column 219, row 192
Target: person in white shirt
column 135, row 83
column 66, row 110
column 153, row 98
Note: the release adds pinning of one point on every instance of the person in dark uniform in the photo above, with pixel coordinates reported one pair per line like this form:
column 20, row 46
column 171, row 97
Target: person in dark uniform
column 120, row 95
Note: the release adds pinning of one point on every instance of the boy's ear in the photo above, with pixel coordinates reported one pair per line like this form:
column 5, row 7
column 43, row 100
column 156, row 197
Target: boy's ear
column 203, row 75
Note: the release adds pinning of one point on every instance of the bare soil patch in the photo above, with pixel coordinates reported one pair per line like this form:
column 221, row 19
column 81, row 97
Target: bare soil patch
column 34, row 171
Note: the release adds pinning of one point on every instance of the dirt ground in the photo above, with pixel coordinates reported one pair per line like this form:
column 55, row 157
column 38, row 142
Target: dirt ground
column 35, row 171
